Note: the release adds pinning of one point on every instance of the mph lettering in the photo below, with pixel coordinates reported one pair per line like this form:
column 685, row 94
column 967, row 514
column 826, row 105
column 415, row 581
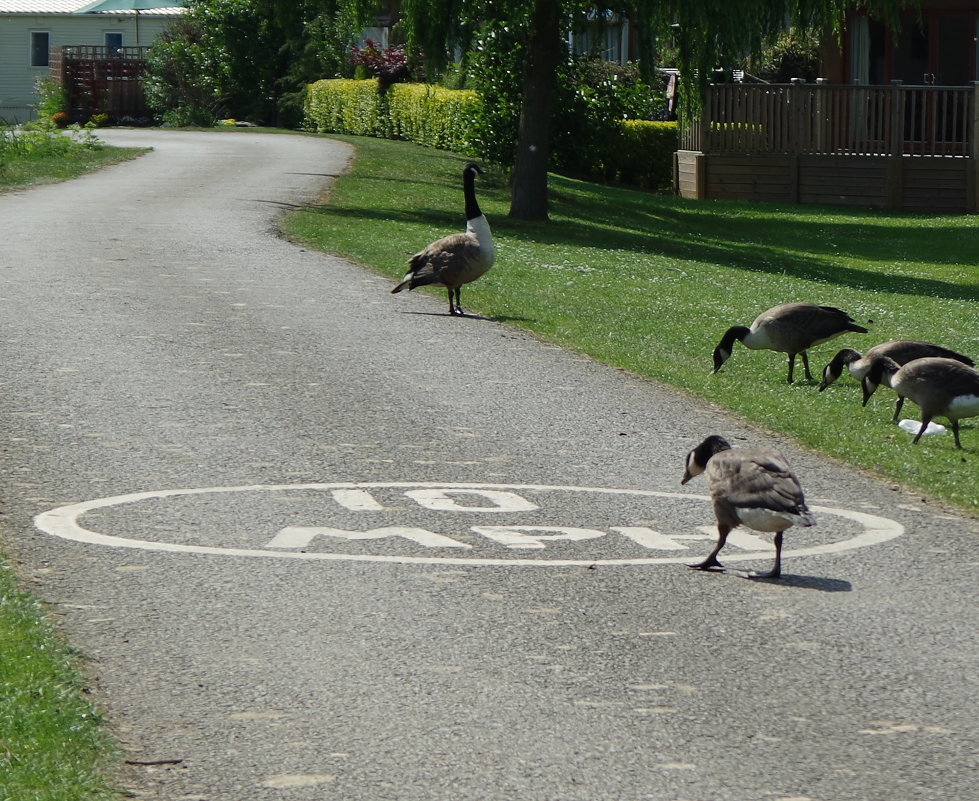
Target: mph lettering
column 482, row 501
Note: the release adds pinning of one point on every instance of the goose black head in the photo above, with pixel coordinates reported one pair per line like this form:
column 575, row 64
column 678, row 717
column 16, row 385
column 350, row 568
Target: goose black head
column 880, row 372
column 697, row 458
column 723, row 350
column 834, row 369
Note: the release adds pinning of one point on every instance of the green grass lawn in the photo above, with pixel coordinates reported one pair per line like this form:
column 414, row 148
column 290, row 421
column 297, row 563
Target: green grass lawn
column 53, row 743
column 18, row 173
column 650, row 283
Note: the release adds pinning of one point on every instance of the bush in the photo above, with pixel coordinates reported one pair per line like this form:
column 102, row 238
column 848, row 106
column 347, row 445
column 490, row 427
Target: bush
column 595, row 96
column 40, row 139
column 637, row 152
column 427, row 115
column 495, row 70
column 791, row 55
column 433, row 116
column 51, row 98
column 641, row 154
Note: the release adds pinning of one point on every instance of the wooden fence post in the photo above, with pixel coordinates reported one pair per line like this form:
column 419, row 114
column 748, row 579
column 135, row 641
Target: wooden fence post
column 895, row 166
column 972, row 176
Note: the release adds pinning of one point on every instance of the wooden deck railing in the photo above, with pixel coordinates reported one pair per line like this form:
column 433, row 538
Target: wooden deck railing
column 894, row 120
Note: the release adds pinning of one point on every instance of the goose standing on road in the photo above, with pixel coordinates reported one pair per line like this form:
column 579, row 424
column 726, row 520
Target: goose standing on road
column 455, row 259
column 940, row 387
column 748, row 486
column 791, row 328
column 900, row 350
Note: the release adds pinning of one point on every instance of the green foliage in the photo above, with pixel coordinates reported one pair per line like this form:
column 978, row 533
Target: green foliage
column 793, row 54
column 43, row 139
column 432, row 115
column 495, row 66
column 51, row 97
column 424, row 114
column 183, row 82
column 343, row 105
column 595, row 96
column 632, row 151
column 53, row 744
column 249, row 59
column 640, row 153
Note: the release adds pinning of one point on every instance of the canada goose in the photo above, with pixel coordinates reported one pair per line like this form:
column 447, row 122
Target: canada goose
column 455, row 259
column 940, row 387
column 750, row 486
column 900, row 350
column 791, row 328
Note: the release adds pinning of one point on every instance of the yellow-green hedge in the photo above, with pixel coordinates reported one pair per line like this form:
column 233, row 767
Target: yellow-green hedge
column 642, row 154
column 428, row 115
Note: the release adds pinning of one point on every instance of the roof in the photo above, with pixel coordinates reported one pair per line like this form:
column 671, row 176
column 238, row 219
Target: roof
column 69, row 7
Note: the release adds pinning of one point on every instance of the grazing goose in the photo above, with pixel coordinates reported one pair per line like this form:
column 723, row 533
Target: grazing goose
column 791, row 328
column 456, row 259
column 940, row 387
column 750, row 486
column 900, row 350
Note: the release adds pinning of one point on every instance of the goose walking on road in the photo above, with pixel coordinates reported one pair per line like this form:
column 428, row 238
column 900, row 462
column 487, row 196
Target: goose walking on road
column 900, row 350
column 791, row 328
column 455, row 259
column 748, row 486
column 940, row 387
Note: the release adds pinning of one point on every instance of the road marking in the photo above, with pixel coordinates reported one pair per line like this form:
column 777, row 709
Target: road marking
column 302, row 536
column 465, row 501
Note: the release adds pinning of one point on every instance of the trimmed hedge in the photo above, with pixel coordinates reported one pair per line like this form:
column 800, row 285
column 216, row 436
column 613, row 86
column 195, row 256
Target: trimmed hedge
column 640, row 154
column 421, row 113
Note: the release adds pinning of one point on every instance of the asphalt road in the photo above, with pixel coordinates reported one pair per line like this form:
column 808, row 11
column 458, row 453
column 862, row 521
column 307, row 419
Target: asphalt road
column 318, row 541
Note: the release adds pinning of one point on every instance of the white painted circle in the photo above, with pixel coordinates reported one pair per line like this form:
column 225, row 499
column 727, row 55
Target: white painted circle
column 433, row 497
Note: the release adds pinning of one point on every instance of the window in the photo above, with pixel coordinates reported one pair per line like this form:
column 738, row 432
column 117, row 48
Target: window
column 40, row 48
column 113, row 41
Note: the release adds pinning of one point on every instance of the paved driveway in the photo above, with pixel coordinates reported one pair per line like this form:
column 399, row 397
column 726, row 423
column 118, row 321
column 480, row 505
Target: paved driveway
column 319, row 541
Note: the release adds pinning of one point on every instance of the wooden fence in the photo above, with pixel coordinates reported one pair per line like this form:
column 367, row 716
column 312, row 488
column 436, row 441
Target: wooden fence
column 908, row 147
column 102, row 80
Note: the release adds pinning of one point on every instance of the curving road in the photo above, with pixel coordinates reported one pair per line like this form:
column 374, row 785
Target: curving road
column 322, row 542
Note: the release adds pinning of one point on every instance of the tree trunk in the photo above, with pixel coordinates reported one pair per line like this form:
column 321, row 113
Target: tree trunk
column 529, row 198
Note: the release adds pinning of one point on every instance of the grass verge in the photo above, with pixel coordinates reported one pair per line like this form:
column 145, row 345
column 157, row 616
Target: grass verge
column 650, row 283
column 18, row 173
column 53, row 743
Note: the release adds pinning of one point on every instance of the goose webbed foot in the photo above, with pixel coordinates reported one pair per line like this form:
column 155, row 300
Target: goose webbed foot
column 776, row 570
column 774, row 573
column 710, row 563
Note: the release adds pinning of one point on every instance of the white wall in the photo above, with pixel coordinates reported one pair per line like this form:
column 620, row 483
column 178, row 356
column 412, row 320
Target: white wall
column 18, row 77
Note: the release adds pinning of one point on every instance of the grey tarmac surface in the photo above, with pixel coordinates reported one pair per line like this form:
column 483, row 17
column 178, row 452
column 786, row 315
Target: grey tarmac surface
column 362, row 550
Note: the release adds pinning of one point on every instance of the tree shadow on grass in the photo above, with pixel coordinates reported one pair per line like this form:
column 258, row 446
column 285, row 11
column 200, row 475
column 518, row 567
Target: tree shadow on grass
column 693, row 237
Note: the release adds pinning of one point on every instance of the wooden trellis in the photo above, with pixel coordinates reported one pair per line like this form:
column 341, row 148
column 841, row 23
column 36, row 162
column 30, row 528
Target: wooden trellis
column 102, row 80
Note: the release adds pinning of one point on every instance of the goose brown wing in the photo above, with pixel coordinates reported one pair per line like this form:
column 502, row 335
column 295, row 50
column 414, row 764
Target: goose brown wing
column 437, row 263
column 755, row 480
column 904, row 351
